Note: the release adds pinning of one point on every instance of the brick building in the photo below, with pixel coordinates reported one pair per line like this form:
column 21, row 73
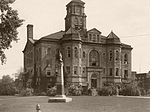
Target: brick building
column 143, row 79
column 89, row 58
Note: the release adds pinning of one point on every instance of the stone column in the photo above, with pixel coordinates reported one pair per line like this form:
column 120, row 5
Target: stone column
column 60, row 85
column 60, row 97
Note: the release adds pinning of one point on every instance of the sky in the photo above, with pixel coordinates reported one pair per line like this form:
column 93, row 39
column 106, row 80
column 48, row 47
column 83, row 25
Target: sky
column 129, row 19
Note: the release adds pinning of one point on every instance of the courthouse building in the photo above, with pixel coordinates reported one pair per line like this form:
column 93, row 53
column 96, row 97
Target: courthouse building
column 89, row 58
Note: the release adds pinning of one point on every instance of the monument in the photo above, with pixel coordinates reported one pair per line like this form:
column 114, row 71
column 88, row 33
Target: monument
column 60, row 97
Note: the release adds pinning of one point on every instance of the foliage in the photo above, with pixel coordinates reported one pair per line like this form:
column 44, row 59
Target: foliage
column 108, row 89
column 52, row 91
column 7, row 86
column 75, row 90
column 9, row 22
column 26, row 92
column 148, row 92
column 130, row 89
column 43, row 94
column 19, row 81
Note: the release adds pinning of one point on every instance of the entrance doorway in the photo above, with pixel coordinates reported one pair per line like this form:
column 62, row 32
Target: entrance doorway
column 94, row 80
column 94, row 83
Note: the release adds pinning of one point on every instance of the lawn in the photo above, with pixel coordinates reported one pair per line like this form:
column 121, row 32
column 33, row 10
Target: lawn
column 79, row 104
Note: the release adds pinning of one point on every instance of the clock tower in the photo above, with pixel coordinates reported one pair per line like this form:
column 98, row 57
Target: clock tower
column 75, row 17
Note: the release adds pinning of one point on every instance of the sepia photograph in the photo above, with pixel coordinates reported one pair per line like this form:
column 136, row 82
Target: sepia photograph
column 74, row 56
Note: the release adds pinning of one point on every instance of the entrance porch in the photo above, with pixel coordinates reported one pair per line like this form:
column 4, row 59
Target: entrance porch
column 94, row 77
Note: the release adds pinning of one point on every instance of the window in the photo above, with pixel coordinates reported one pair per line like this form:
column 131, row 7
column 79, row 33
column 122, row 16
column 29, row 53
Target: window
column 75, row 70
column 48, row 72
column 68, row 69
column 117, row 55
column 90, row 37
column 103, row 70
column 80, row 71
column 76, row 52
column 68, row 52
column 110, row 56
column 83, row 70
column 94, row 38
column 126, row 59
column 110, row 71
column 117, row 71
column 94, row 58
column 125, row 74
column 98, row 38
column 83, row 54
column 47, row 61
column 104, row 57
column 37, row 55
column 48, row 51
column 69, row 10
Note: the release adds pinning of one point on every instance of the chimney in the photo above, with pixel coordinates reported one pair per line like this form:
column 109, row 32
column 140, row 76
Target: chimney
column 29, row 31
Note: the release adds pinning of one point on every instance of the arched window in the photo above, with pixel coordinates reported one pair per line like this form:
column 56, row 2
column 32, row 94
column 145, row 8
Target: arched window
column 68, row 52
column 126, row 59
column 76, row 52
column 117, row 55
column 48, row 51
column 94, row 58
column 83, row 54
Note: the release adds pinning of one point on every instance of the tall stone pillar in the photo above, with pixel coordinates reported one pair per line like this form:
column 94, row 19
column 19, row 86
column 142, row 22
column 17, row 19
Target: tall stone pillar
column 60, row 97
column 60, row 84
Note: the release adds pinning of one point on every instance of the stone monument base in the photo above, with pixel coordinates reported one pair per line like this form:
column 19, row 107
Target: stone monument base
column 59, row 98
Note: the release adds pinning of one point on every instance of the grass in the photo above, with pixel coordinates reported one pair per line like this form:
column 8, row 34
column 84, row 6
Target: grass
column 79, row 104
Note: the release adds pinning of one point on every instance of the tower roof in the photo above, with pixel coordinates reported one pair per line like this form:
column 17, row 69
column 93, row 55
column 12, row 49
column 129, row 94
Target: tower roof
column 76, row 1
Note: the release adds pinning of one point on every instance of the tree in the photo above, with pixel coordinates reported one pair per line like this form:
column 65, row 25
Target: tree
column 9, row 22
column 7, row 86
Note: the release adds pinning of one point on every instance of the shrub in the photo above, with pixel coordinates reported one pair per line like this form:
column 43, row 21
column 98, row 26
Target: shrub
column 108, row 89
column 75, row 90
column 148, row 92
column 26, row 92
column 52, row 91
column 130, row 89
column 43, row 94
column 7, row 86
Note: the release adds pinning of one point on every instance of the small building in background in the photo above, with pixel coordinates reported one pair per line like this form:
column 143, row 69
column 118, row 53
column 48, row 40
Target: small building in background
column 143, row 79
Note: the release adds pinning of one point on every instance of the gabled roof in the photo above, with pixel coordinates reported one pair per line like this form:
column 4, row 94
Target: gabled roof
column 57, row 35
column 113, row 38
column 94, row 29
column 112, row 35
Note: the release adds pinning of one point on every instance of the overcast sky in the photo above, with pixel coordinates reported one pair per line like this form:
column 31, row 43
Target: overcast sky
column 129, row 19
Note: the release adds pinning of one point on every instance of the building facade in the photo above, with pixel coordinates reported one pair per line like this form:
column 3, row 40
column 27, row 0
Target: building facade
column 89, row 58
column 143, row 80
